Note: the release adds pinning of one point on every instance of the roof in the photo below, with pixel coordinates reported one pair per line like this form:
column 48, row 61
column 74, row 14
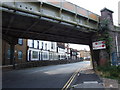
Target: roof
column 105, row 9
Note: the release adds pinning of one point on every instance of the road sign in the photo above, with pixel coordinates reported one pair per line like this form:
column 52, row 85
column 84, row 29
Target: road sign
column 99, row 45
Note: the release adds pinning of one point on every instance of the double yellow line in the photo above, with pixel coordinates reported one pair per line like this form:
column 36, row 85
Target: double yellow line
column 67, row 85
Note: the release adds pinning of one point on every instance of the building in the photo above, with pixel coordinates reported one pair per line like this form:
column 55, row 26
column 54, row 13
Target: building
column 29, row 50
column 61, row 51
column 73, row 54
column 67, row 51
column 41, row 50
column 84, row 54
column 78, row 54
column 36, row 50
column 20, row 52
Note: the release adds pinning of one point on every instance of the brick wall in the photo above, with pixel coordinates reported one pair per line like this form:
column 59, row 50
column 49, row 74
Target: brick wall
column 6, row 47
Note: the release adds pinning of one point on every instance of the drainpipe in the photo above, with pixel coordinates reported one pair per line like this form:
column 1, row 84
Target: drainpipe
column 116, row 38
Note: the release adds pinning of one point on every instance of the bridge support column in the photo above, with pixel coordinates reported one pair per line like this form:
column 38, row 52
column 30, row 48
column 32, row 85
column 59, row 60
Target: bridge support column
column 107, row 32
column 99, row 57
column 12, row 50
column 92, row 56
column 12, row 42
column 103, row 58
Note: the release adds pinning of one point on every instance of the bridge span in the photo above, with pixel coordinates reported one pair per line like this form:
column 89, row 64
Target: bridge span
column 52, row 20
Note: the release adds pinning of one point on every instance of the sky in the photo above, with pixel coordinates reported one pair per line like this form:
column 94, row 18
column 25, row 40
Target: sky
column 79, row 47
column 95, row 6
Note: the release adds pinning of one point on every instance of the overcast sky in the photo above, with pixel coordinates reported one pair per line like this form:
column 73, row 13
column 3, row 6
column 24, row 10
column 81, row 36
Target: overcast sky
column 95, row 6
column 79, row 47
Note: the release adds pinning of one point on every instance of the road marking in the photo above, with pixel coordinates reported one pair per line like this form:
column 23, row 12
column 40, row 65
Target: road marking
column 90, row 82
column 66, row 86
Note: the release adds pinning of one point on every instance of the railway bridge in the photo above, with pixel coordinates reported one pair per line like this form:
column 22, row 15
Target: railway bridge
column 51, row 20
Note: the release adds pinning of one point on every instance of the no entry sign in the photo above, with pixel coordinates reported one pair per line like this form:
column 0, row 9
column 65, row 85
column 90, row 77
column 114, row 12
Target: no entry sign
column 99, row 45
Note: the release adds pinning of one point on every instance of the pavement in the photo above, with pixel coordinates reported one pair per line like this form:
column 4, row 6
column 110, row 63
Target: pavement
column 87, row 79
column 110, row 83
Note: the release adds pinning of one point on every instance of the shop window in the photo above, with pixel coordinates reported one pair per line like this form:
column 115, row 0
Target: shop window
column 45, row 55
column 50, row 54
column 35, row 55
column 20, row 54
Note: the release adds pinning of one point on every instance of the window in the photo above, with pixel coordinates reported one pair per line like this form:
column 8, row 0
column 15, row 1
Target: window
column 46, row 46
column 42, row 45
column 20, row 54
column 20, row 41
column 45, row 55
column 40, row 57
column 30, row 43
column 52, row 45
column 8, row 54
column 49, row 55
column 35, row 44
column 52, row 56
column 35, row 55
column 38, row 44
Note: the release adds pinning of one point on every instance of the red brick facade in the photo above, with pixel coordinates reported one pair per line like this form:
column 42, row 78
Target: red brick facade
column 5, row 52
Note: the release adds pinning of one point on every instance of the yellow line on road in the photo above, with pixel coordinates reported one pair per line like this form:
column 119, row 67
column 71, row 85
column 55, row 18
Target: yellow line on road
column 66, row 86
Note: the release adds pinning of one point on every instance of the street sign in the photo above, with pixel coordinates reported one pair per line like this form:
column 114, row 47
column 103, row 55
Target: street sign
column 99, row 45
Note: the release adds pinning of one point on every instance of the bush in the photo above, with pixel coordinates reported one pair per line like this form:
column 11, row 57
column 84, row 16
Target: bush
column 110, row 71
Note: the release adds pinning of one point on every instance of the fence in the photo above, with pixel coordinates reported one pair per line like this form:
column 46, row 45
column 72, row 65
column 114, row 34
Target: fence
column 116, row 58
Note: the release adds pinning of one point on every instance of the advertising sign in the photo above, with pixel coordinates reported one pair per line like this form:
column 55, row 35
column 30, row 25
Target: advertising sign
column 99, row 45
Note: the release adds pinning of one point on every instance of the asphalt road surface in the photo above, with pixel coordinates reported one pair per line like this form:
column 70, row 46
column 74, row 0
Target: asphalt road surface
column 54, row 76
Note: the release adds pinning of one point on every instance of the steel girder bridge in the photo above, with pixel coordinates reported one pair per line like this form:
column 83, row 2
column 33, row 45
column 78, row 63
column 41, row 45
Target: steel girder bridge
column 52, row 20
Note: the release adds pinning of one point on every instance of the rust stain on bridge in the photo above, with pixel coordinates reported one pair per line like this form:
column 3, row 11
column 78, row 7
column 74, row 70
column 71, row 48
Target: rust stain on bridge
column 74, row 8
column 54, row 2
column 69, row 6
column 82, row 11
column 93, row 16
